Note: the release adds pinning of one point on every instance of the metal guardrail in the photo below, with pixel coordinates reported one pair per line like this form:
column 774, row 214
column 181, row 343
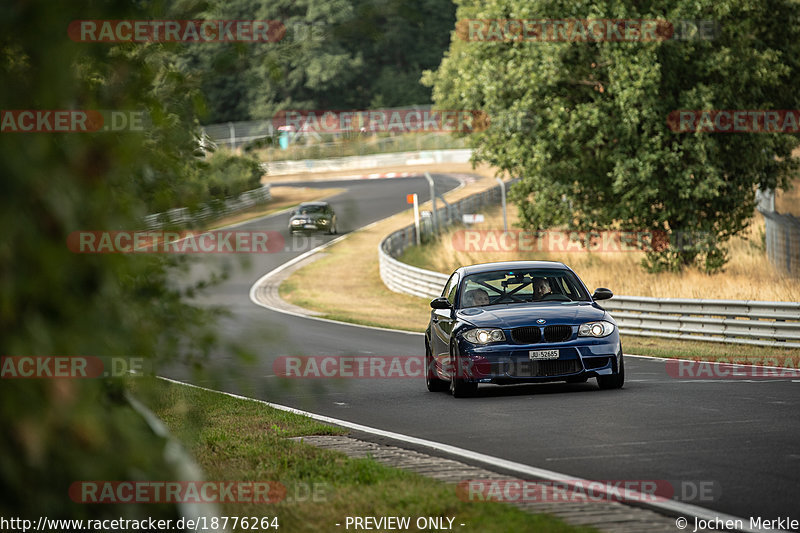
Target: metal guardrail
column 407, row 279
column 237, row 134
column 759, row 323
column 404, row 278
column 209, row 211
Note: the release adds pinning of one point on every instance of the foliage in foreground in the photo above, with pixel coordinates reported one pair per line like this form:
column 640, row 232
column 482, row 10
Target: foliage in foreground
column 57, row 303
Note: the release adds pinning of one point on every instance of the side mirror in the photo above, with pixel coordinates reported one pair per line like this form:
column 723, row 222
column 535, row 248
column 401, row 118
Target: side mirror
column 602, row 294
column 441, row 303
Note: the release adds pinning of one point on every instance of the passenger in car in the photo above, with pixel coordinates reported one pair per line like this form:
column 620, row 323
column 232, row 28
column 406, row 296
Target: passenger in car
column 476, row 297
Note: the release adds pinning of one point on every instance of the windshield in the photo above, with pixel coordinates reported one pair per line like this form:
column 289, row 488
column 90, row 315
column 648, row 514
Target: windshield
column 307, row 209
column 521, row 286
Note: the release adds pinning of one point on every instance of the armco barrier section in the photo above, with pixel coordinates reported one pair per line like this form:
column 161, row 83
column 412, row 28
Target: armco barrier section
column 404, row 278
column 210, row 211
column 758, row 323
column 736, row 321
column 407, row 279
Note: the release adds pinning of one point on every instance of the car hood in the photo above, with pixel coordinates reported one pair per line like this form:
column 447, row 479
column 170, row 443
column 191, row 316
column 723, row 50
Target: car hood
column 515, row 315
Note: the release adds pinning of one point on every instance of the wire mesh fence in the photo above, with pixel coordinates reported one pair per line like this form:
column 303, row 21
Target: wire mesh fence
column 783, row 241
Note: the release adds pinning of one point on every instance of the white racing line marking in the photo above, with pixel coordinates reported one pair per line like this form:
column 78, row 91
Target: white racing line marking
column 301, row 257
column 669, row 507
column 699, row 381
column 275, row 271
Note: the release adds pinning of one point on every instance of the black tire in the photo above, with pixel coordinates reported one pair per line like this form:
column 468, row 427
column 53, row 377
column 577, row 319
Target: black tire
column 615, row 381
column 433, row 383
column 459, row 388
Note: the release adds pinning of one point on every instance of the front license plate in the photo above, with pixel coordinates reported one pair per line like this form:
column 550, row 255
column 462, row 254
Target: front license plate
column 310, row 226
column 537, row 355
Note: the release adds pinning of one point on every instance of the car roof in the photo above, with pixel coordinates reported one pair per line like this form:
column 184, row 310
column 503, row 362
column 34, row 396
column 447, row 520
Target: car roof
column 510, row 265
column 308, row 204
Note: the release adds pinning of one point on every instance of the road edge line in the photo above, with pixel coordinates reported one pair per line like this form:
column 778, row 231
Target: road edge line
column 668, row 507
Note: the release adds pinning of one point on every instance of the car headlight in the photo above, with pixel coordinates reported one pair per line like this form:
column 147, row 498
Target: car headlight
column 484, row 336
column 596, row 329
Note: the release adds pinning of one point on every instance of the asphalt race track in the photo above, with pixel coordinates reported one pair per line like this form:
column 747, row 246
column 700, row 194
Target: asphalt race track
column 741, row 437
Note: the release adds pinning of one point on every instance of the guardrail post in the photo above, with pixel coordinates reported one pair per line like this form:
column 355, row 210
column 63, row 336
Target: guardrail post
column 434, row 216
column 503, row 202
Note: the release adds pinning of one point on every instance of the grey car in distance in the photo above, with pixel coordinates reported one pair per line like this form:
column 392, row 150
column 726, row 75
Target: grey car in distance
column 313, row 216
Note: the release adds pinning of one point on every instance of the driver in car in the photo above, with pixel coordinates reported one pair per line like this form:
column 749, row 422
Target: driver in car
column 476, row 297
column 541, row 288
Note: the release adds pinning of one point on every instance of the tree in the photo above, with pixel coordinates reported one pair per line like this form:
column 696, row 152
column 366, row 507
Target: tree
column 335, row 54
column 585, row 123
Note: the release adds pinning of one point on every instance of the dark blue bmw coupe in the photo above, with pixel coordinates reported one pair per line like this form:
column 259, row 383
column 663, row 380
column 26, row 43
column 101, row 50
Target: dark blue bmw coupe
column 520, row 322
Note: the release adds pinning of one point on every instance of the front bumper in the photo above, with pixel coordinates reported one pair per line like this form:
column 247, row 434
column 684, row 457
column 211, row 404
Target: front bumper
column 506, row 363
column 316, row 225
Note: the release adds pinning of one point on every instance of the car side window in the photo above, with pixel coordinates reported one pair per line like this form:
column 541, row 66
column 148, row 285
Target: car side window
column 450, row 289
column 451, row 296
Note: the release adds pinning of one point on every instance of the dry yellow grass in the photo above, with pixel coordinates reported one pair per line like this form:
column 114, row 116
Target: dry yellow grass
column 345, row 285
column 789, row 201
column 748, row 275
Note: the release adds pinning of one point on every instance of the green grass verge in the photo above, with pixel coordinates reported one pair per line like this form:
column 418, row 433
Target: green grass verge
column 234, row 439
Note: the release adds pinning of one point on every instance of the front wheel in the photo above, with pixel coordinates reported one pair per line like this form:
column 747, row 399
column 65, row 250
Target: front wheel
column 459, row 388
column 615, row 381
column 432, row 380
